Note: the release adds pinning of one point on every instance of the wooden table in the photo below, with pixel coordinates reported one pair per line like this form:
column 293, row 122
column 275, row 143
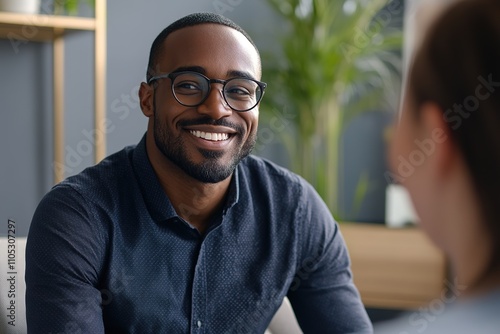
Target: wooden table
column 394, row 268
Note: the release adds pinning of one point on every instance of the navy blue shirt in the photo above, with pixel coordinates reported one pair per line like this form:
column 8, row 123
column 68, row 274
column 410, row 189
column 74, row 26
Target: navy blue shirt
column 107, row 253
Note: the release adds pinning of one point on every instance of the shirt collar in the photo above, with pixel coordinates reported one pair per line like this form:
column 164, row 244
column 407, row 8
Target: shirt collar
column 233, row 194
column 159, row 206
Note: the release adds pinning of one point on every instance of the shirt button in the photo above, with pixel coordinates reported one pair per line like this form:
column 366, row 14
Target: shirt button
column 198, row 323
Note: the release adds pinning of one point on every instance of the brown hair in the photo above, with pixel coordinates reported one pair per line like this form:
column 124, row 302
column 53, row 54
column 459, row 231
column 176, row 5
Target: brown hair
column 458, row 66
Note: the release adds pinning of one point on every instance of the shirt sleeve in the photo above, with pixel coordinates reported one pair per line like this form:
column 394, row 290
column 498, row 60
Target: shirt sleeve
column 322, row 294
column 64, row 254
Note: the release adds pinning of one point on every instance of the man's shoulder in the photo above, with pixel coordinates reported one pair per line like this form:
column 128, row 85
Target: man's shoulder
column 104, row 179
column 478, row 314
column 253, row 166
column 279, row 185
column 261, row 172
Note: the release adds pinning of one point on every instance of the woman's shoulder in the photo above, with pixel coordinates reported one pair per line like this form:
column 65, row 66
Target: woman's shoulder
column 475, row 315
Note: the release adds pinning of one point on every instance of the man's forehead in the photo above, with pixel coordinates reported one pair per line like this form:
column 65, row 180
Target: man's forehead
column 210, row 44
column 207, row 29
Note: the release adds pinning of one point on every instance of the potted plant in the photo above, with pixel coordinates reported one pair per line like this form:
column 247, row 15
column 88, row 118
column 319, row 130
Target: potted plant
column 336, row 60
column 70, row 7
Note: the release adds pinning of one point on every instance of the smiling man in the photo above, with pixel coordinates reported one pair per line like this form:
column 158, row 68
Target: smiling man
column 186, row 232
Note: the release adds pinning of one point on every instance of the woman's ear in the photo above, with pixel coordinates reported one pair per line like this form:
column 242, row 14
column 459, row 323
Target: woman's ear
column 146, row 96
column 437, row 142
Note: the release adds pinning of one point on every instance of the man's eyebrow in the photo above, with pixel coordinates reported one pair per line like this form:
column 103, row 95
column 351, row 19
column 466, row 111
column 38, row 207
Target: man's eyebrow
column 197, row 69
column 240, row 74
column 201, row 70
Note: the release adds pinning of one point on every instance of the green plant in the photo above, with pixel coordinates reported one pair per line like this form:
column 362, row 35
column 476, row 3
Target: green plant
column 70, row 6
column 335, row 61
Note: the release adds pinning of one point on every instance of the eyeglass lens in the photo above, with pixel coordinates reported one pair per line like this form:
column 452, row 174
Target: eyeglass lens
column 190, row 89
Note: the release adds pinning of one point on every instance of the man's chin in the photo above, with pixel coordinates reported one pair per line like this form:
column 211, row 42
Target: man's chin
column 210, row 171
column 202, row 164
column 211, row 154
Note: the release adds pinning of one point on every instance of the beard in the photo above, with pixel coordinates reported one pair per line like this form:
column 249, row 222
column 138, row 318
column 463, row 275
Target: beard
column 211, row 170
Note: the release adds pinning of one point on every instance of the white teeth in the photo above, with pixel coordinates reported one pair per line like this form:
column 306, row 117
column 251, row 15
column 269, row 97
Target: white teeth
column 209, row 135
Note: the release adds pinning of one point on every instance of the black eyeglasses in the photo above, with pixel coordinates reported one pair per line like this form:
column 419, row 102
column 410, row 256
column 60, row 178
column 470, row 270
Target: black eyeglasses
column 192, row 89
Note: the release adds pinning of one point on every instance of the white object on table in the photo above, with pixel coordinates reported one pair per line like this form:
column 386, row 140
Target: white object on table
column 399, row 210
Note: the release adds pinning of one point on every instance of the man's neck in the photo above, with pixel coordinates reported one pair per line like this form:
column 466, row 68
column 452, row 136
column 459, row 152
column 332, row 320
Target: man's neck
column 194, row 201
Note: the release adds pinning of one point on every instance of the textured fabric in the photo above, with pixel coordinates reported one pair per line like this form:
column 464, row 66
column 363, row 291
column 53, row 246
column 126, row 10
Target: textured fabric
column 107, row 253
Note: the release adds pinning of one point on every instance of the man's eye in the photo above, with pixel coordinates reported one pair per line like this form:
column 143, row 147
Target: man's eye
column 187, row 86
column 237, row 91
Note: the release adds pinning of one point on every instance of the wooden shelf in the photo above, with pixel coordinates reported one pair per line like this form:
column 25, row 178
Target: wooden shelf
column 48, row 21
column 394, row 268
column 40, row 27
column 20, row 28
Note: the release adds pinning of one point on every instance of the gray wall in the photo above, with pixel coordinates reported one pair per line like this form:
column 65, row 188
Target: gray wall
column 26, row 100
column 24, row 132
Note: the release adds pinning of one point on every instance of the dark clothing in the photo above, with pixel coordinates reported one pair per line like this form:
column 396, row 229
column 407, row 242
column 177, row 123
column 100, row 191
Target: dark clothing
column 108, row 253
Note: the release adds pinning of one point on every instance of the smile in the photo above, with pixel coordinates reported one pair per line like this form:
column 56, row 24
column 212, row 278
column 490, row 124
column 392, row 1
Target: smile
column 212, row 136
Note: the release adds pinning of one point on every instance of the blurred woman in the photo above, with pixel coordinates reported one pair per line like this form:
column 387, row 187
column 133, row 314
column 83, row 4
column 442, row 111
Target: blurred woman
column 450, row 131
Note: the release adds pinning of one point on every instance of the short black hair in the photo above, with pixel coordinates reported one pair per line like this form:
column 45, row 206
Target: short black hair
column 188, row 21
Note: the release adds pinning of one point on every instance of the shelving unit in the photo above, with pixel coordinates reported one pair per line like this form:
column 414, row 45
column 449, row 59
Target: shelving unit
column 20, row 28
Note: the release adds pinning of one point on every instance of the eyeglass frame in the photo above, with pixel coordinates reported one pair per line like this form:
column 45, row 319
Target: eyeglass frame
column 173, row 75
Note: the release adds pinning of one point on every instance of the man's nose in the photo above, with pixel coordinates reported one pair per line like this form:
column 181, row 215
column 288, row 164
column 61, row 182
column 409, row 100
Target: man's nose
column 215, row 105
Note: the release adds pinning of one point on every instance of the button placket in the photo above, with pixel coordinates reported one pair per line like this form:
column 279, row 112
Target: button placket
column 199, row 294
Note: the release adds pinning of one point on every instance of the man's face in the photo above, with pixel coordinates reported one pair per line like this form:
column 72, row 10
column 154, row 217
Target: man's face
column 181, row 133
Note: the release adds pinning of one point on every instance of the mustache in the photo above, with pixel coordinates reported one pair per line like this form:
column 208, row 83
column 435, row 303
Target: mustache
column 210, row 121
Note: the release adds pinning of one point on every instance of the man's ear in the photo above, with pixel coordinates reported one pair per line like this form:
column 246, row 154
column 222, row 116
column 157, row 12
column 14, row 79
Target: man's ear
column 438, row 138
column 146, row 97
